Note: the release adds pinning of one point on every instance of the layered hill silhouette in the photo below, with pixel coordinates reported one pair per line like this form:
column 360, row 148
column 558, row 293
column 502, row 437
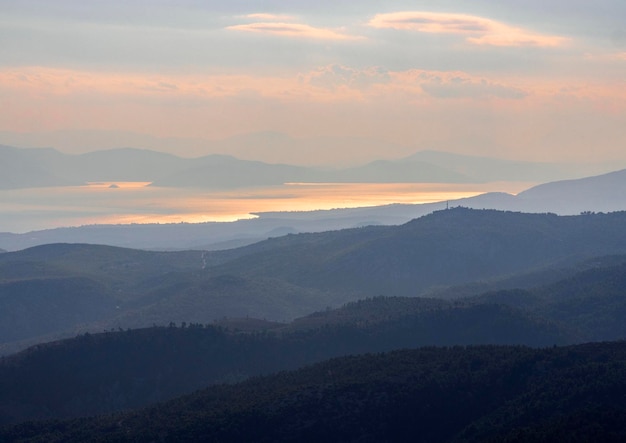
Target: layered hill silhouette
column 592, row 301
column 99, row 287
column 116, row 370
column 447, row 247
column 211, row 319
column 98, row 373
column 49, row 167
column 604, row 193
column 606, row 190
column 433, row 394
column 41, row 167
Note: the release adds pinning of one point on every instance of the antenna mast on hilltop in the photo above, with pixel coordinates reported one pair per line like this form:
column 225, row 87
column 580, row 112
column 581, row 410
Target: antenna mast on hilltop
column 447, row 204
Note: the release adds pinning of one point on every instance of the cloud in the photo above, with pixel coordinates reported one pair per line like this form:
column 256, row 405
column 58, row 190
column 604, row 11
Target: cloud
column 343, row 83
column 297, row 30
column 476, row 30
column 558, row 116
column 331, row 83
column 459, row 86
column 336, row 76
column 270, row 17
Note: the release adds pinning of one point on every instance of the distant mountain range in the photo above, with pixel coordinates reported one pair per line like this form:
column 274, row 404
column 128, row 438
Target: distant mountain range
column 41, row 167
column 603, row 193
column 23, row 168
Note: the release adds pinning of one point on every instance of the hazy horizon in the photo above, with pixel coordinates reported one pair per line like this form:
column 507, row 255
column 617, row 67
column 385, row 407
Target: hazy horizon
column 195, row 195
column 325, row 84
column 336, row 83
column 34, row 209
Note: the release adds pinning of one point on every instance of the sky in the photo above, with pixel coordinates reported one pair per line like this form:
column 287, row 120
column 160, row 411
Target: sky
column 317, row 82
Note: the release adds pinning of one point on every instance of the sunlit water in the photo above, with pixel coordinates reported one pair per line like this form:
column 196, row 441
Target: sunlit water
column 135, row 202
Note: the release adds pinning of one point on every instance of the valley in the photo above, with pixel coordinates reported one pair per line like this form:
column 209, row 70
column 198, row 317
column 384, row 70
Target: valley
column 126, row 328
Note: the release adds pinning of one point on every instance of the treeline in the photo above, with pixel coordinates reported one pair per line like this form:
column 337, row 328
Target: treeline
column 115, row 370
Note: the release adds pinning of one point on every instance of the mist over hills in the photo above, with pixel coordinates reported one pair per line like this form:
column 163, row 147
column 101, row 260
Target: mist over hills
column 606, row 190
column 279, row 147
column 552, row 280
column 49, row 167
column 494, row 169
column 453, row 246
column 312, row 222
column 287, row 277
column 287, row 298
column 98, row 373
column 40, row 167
column 603, row 193
column 119, row 369
column 18, row 170
column 270, row 146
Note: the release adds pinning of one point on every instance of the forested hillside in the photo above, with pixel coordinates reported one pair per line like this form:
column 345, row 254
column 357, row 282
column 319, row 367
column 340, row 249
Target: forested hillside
column 44, row 290
column 447, row 247
column 122, row 369
column 211, row 318
column 593, row 301
column 116, row 370
column 434, row 394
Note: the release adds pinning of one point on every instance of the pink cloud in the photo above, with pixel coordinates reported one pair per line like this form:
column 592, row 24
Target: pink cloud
column 270, row 17
column 297, row 30
column 464, row 87
column 336, row 76
column 333, row 100
column 477, row 30
column 333, row 82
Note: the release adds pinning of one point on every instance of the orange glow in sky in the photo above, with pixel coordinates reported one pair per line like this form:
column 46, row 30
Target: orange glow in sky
column 325, row 83
column 134, row 202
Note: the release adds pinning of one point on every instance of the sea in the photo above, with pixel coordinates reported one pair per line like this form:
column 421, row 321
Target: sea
column 31, row 209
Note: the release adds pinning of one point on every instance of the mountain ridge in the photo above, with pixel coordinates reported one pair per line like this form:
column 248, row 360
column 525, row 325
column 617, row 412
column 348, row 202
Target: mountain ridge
column 286, row 277
column 602, row 193
column 50, row 167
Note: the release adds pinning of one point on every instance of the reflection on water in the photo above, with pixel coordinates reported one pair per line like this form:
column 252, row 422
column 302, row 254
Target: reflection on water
column 135, row 202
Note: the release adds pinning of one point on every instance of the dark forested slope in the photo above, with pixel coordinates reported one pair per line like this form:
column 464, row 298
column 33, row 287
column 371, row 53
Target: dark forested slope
column 115, row 370
column 432, row 394
column 111, row 371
